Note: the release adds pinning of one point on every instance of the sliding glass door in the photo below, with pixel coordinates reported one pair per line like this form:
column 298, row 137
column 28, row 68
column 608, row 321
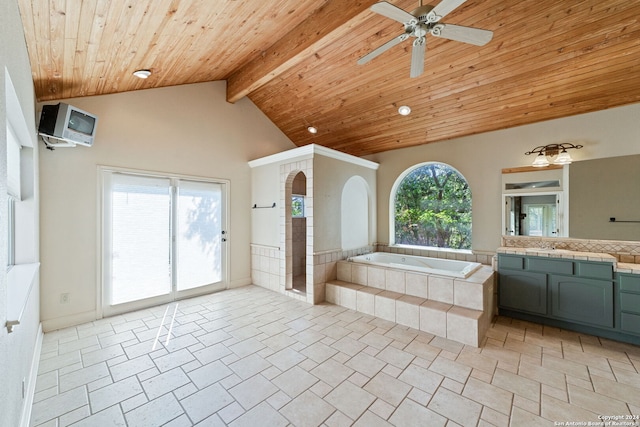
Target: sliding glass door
column 140, row 238
column 162, row 239
column 199, row 234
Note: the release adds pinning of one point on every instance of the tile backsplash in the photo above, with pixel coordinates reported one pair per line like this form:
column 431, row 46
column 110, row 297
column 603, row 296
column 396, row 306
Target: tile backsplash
column 624, row 251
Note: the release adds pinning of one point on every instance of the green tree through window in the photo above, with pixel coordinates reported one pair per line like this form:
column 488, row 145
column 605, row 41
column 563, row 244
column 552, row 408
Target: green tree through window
column 297, row 206
column 433, row 208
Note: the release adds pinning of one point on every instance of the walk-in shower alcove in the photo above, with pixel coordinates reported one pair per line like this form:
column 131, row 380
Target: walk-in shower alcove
column 297, row 230
column 295, row 246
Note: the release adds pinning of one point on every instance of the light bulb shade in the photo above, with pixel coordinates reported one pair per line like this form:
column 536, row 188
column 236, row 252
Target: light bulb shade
column 540, row 161
column 563, row 159
column 404, row 110
column 312, row 129
column 142, row 74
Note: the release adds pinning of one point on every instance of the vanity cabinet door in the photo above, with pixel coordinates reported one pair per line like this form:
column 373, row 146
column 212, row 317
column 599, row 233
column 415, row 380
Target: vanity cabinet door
column 581, row 300
column 523, row 291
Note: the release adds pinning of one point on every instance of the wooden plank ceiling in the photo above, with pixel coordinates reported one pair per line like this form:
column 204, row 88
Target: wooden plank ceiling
column 296, row 60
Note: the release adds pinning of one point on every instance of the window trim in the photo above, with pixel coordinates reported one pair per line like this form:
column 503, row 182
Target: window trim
column 14, row 150
column 11, row 232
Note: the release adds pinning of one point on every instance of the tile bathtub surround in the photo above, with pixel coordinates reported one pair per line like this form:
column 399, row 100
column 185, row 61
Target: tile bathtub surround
column 250, row 356
column 418, row 300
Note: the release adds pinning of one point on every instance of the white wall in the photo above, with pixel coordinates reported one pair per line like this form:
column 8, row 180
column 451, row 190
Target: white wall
column 330, row 176
column 187, row 130
column 265, row 190
column 480, row 158
column 17, row 348
column 355, row 213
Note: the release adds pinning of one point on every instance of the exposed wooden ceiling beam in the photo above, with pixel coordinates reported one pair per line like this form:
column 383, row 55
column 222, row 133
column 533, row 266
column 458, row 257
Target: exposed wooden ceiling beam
column 325, row 25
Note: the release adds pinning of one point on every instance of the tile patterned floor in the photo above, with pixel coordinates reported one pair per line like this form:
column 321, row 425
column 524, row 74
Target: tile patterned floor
column 252, row 357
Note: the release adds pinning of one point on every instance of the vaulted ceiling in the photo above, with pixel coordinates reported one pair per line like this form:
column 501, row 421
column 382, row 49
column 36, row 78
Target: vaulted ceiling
column 296, row 60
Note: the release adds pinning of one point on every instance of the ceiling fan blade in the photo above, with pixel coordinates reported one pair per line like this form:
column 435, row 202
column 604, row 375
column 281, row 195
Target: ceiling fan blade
column 417, row 57
column 385, row 47
column 392, row 12
column 459, row 33
column 444, row 7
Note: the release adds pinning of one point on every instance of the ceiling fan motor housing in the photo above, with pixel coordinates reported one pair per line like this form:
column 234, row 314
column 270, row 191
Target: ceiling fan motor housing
column 422, row 13
column 425, row 23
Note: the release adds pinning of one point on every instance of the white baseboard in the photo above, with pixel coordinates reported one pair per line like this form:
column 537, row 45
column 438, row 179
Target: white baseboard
column 25, row 419
column 67, row 321
column 239, row 283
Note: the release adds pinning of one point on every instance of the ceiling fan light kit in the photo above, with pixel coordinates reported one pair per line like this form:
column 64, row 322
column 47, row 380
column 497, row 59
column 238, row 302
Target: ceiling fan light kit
column 420, row 22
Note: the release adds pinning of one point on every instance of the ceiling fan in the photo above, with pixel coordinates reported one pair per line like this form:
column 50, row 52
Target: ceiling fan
column 421, row 21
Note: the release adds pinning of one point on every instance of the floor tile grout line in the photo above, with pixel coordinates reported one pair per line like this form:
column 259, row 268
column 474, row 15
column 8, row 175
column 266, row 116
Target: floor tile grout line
column 153, row 348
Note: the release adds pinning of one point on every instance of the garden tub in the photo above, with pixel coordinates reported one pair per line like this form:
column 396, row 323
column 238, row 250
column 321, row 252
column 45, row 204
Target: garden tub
column 438, row 266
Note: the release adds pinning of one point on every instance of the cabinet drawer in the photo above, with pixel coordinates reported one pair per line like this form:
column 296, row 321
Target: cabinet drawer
column 630, row 302
column 512, row 262
column 597, row 271
column 630, row 323
column 629, row 282
column 553, row 266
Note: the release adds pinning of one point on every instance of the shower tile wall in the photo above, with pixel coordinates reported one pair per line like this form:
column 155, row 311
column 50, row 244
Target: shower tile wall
column 266, row 272
column 299, row 231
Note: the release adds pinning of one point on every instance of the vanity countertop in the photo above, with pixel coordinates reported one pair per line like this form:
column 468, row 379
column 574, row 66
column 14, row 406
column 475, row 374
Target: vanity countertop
column 559, row 253
column 625, row 267
column 620, row 267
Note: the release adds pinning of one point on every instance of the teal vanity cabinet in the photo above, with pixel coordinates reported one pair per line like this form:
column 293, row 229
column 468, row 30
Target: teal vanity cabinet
column 523, row 291
column 586, row 296
column 582, row 300
column 629, row 302
column 573, row 294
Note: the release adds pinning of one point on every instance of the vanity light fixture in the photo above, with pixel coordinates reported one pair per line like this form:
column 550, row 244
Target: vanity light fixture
column 551, row 150
column 312, row 129
column 142, row 74
column 404, row 110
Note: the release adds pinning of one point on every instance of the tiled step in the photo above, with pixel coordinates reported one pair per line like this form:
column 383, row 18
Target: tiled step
column 460, row 324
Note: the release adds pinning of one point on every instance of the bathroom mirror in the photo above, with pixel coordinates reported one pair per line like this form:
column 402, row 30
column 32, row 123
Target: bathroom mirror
column 601, row 196
column 601, row 190
column 533, row 202
column 532, row 215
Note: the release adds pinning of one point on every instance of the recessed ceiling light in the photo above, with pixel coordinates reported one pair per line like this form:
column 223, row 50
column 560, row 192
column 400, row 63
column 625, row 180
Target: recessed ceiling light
column 312, row 129
column 404, row 110
column 142, row 74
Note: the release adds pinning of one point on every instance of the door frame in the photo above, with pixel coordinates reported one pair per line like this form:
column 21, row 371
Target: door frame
column 103, row 310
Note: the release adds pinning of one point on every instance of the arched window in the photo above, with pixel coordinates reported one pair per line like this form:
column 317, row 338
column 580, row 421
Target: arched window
column 432, row 207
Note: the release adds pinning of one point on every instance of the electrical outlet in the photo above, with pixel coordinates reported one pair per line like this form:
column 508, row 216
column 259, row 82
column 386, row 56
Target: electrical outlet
column 64, row 298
